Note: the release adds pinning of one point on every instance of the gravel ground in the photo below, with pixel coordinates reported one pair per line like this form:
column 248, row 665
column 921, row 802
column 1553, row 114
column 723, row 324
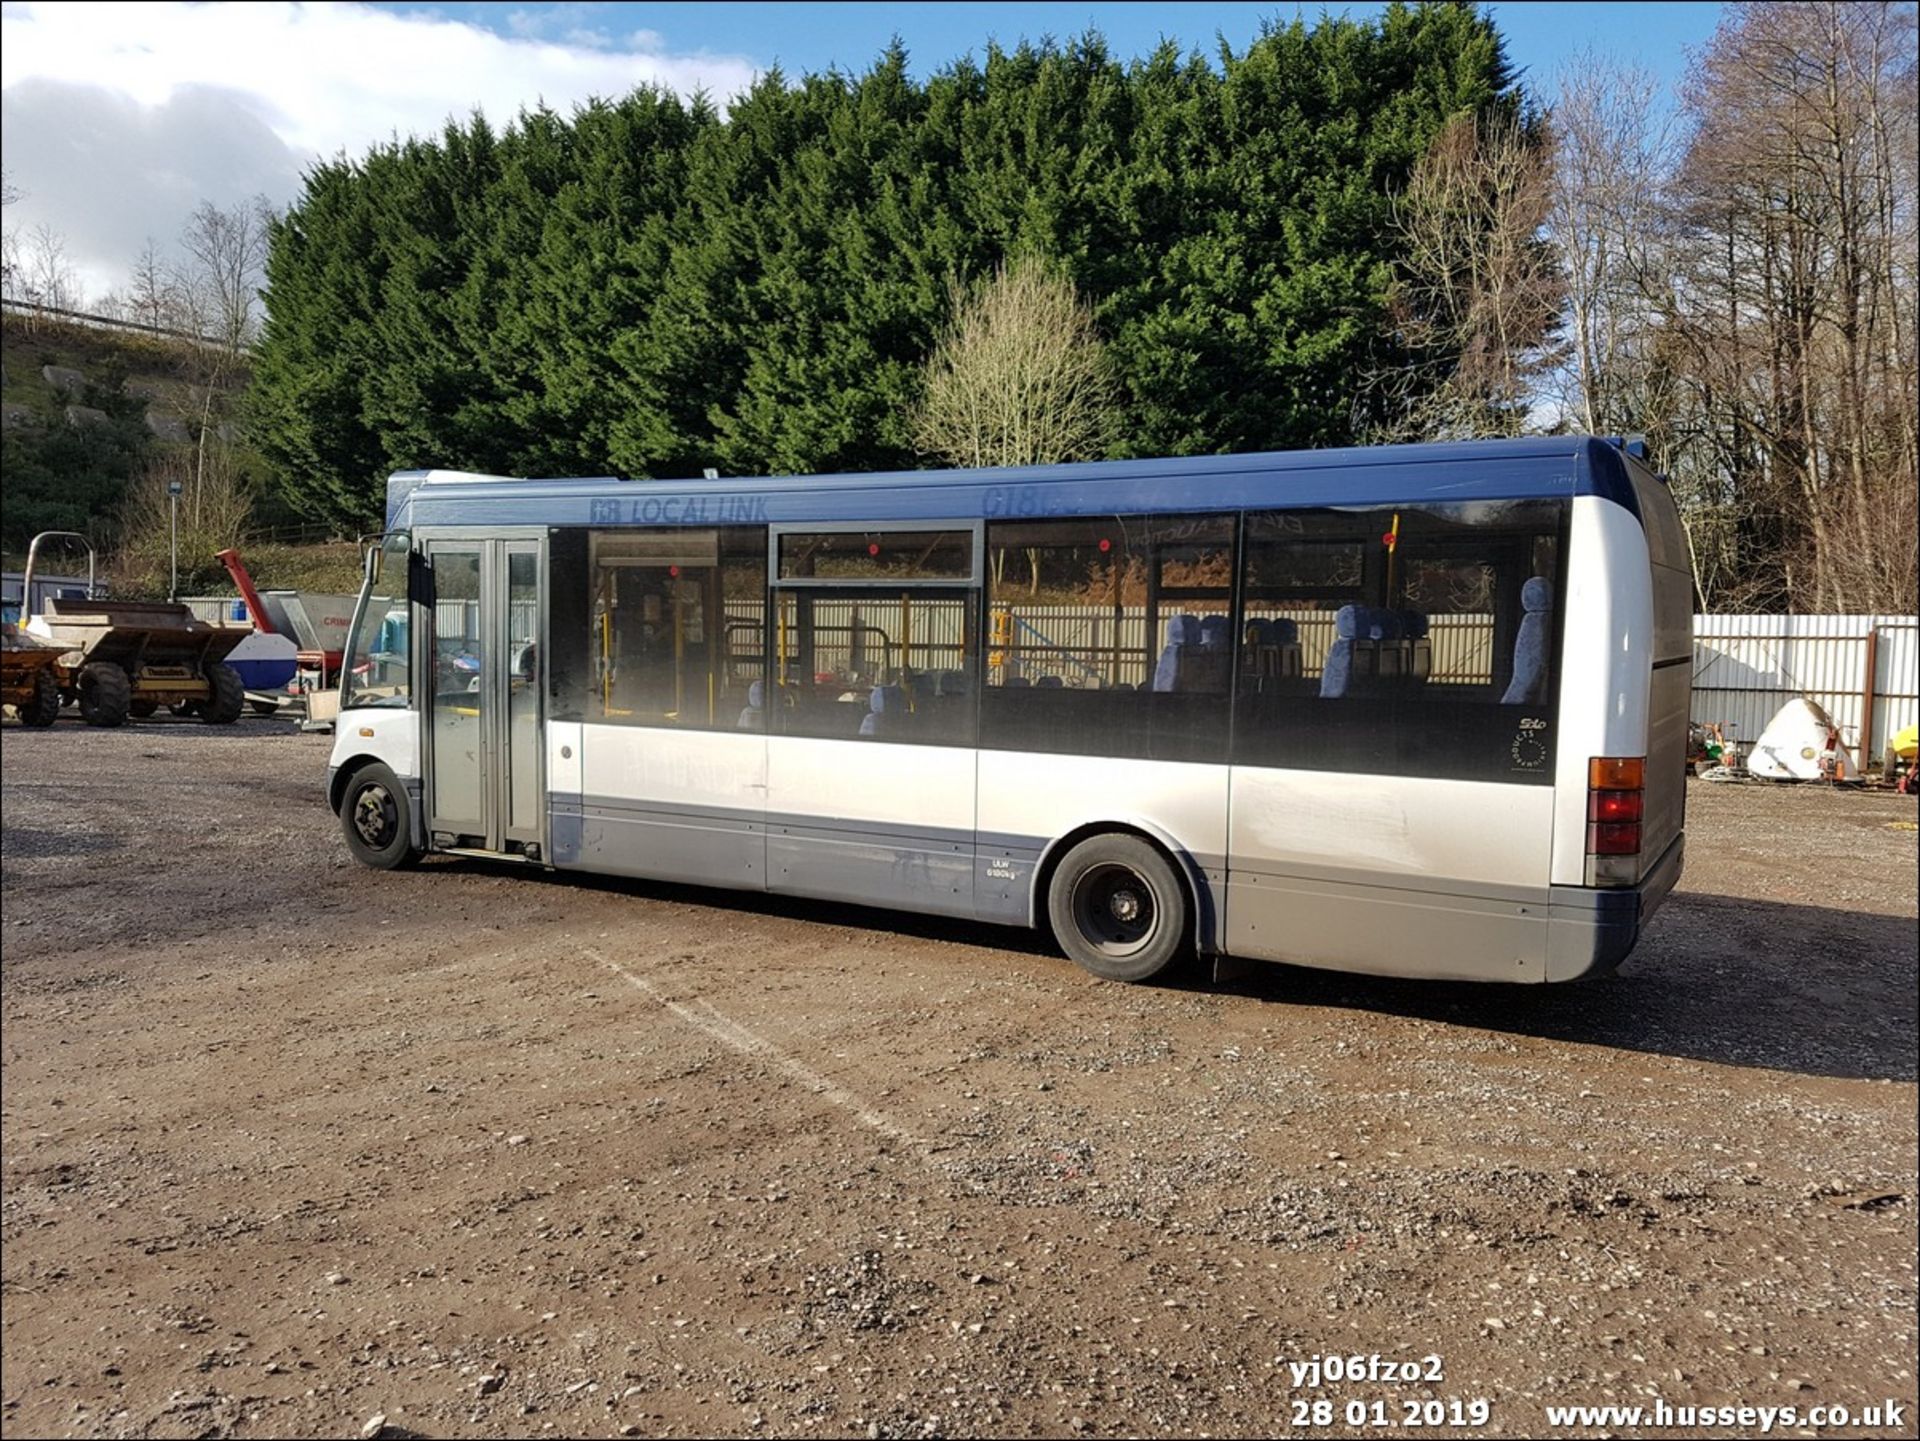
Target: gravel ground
column 291, row 1148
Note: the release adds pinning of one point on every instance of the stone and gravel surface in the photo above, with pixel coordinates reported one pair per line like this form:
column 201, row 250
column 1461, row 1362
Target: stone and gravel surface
column 291, row 1148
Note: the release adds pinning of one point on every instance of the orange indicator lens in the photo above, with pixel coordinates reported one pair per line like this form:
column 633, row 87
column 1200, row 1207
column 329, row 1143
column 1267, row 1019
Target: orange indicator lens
column 1617, row 773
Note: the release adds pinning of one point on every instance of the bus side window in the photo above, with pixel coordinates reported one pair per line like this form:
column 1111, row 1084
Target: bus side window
column 1110, row 635
column 673, row 620
column 879, row 664
column 1302, row 571
column 1421, row 633
column 567, row 605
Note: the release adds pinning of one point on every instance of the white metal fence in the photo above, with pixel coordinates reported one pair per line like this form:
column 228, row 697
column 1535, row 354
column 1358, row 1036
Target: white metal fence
column 1863, row 670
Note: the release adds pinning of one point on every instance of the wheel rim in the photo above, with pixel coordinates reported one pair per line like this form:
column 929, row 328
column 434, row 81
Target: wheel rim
column 375, row 817
column 1115, row 909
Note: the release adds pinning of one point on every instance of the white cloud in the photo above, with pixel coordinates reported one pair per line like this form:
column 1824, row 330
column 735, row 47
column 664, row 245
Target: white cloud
column 568, row 22
column 118, row 118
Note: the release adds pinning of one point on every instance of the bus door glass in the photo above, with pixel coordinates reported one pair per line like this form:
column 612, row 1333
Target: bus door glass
column 525, row 694
column 485, row 689
column 457, row 792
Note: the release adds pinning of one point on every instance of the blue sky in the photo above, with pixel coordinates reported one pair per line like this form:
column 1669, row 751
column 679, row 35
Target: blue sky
column 804, row 37
column 117, row 119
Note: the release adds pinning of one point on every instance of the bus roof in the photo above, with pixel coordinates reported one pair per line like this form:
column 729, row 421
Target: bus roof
column 1535, row 467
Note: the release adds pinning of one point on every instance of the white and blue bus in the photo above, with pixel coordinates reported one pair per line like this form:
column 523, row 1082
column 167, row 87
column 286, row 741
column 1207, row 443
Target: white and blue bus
column 1415, row 710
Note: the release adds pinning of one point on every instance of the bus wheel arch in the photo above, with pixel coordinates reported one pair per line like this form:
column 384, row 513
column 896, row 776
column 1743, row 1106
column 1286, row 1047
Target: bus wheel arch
column 340, row 776
column 1136, row 848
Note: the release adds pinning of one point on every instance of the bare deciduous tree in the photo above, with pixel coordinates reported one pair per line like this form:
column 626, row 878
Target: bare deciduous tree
column 48, row 276
column 217, row 295
column 1606, row 215
column 1480, row 295
column 216, row 505
column 227, row 256
column 1610, row 218
column 9, row 241
column 12, row 265
column 1020, row 376
column 1794, row 307
column 153, row 291
column 1749, row 303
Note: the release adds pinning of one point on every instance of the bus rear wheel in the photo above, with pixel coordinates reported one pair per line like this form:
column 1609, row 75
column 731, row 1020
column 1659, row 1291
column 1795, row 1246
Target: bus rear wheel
column 373, row 817
column 1118, row 909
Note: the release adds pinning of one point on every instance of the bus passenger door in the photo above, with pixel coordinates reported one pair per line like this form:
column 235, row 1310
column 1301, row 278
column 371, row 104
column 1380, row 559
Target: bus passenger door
column 485, row 697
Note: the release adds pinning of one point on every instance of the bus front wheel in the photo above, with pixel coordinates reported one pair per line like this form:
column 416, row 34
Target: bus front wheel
column 373, row 817
column 1117, row 908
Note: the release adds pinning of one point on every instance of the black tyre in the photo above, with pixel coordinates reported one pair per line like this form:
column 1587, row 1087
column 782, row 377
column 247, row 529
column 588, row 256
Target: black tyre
column 264, row 707
column 106, row 695
column 141, row 709
column 44, row 708
column 1117, row 908
column 226, row 695
column 373, row 816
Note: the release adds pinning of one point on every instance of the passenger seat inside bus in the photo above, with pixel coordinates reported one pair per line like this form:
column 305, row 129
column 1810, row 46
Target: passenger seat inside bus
column 1271, row 652
column 886, row 711
column 1376, row 652
column 1182, row 631
column 943, row 706
column 1419, row 646
column 1529, row 683
column 1197, row 656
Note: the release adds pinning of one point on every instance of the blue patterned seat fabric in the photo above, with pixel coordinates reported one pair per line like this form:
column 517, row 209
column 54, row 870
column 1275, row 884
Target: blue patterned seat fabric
column 1529, row 683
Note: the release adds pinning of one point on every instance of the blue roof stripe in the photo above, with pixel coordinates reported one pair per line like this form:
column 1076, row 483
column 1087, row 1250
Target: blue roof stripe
column 1534, row 467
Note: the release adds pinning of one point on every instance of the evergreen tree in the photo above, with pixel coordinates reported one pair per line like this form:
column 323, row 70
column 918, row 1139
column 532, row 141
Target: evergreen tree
column 647, row 288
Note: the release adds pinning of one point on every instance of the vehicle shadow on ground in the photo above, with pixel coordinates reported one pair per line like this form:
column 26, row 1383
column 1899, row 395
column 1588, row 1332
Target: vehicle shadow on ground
column 1803, row 989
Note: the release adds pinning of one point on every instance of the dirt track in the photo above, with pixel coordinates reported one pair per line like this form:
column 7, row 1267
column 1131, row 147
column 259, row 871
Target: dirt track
column 290, row 1146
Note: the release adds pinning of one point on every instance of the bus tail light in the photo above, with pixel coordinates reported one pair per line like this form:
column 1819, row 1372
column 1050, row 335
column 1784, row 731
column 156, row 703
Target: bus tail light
column 1616, row 802
column 1614, row 807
